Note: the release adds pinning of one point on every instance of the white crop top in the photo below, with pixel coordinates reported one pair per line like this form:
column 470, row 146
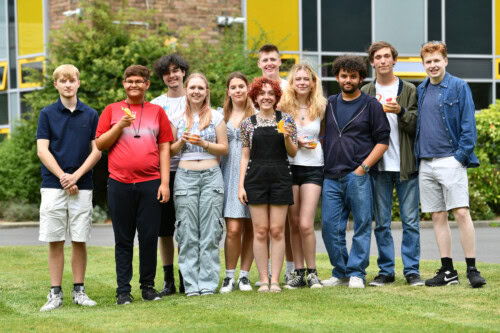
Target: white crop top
column 305, row 156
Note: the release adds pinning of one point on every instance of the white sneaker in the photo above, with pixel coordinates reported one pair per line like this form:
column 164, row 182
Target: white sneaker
column 54, row 301
column 227, row 285
column 244, row 284
column 356, row 282
column 81, row 298
column 333, row 281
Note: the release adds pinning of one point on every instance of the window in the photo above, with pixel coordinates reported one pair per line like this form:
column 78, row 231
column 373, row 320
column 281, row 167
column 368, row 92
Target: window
column 4, row 109
column 4, row 51
column 26, row 67
column 481, row 94
column 287, row 61
column 470, row 68
column 401, row 23
column 434, row 20
column 409, row 67
column 3, row 75
column 310, row 25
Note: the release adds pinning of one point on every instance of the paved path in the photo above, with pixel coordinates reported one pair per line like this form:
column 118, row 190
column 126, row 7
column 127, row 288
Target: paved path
column 487, row 241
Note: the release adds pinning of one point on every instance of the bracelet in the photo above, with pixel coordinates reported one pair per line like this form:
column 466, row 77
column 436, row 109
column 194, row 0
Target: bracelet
column 208, row 144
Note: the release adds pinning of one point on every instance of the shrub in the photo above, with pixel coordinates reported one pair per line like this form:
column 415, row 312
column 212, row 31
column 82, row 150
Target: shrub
column 14, row 211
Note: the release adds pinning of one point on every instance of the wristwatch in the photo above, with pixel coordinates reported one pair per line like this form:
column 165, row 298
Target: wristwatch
column 365, row 167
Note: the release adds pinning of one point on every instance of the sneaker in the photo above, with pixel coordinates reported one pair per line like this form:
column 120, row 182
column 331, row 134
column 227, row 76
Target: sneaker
column 168, row 288
column 124, row 299
column 381, row 280
column 296, row 280
column 443, row 277
column 206, row 292
column 475, row 278
column 150, row 294
column 333, row 281
column 181, row 283
column 227, row 285
column 356, row 282
column 193, row 293
column 414, row 280
column 244, row 284
column 81, row 298
column 313, row 281
column 287, row 277
column 54, row 301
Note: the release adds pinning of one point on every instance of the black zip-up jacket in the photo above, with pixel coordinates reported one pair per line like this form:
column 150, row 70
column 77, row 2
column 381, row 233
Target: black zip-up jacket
column 346, row 148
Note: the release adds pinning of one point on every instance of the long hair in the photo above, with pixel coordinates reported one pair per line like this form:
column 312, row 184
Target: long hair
column 205, row 111
column 228, row 102
column 316, row 102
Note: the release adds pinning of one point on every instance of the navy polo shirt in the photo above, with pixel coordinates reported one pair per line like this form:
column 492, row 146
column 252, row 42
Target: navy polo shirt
column 70, row 134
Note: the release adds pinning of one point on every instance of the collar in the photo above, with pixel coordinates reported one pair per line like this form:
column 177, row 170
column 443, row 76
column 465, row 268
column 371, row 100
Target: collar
column 444, row 83
column 61, row 107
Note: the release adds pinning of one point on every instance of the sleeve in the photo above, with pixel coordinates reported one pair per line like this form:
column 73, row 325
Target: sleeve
column 95, row 121
column 294, row 127
column 381, row 130
column 165, row 134
column 43, row 129
column 104, row 123
column 408, row 115
column 468, row 131
column 217, row 117
column 245, row 132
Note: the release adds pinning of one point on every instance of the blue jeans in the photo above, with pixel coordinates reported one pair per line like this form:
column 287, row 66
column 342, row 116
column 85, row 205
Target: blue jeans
column 351, row 193
column 407, row 191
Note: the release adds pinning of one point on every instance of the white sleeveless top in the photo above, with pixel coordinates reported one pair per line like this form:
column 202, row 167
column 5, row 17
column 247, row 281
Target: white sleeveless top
column 309, row 157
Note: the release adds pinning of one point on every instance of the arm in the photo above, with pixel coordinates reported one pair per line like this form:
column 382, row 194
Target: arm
column 245, row 156
column 47, row 158
column 164, row 190
column 177, row 145
column 106, row 140
column 468, row 131
column 68, row 180
column 221, row 146
column 373, row 157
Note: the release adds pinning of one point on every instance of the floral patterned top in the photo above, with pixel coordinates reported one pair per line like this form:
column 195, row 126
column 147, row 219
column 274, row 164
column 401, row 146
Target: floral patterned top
column 247, row 128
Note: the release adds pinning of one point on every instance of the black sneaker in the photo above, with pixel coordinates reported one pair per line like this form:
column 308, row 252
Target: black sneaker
column 296, row 280
column 150, row 294
column 124, row 298
column 475, row 278
column 181, row 283
column 168, row 288
column 381, row 280
column 444, row 277
column 414, row 280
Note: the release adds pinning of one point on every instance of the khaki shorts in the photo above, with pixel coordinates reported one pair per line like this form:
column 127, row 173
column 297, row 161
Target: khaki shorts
column 443, row 184
column 61, row 213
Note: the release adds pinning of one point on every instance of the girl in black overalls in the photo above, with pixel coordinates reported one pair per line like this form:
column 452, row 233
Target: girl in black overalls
column 265, row 177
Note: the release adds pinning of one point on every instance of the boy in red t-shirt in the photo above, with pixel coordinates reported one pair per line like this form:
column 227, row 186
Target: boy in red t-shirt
column 137, row 135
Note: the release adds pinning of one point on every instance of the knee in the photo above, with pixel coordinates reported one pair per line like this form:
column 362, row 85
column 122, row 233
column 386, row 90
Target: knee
column 306, row 229
column 261, row 233
column 277, row 233
column 462, row 215
column 233, row 233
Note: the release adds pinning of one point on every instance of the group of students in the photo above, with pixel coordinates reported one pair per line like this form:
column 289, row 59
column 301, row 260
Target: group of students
column 257, row 167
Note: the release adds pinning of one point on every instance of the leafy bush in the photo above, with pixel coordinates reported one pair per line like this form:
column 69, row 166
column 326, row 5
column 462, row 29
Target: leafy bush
column 99, row 214
column 14, row 211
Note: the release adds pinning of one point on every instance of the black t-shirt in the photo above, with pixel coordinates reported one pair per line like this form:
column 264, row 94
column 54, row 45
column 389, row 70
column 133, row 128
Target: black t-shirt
column 346, row 109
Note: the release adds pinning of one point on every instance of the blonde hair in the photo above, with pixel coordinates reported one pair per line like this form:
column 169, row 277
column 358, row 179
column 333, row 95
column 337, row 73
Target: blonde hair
column 228, row 102
column 316, row 102
column 205, row 111
column 66, row 71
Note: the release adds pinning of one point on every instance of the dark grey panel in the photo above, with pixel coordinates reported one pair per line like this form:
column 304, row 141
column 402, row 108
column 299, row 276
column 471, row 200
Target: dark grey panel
column 434, row 20
column 481, row 94
column 310, row 25
column 470, row 68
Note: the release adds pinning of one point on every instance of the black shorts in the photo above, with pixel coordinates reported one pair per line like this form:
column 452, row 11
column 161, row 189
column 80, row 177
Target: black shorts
column 269, row 184
column 307, row 175
column 167, row 226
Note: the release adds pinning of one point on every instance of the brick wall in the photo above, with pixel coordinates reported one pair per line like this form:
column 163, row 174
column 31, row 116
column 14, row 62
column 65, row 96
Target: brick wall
column 177, row 14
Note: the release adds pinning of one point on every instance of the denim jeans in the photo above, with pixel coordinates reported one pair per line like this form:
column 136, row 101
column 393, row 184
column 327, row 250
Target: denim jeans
column 351, row 193
column 198, row 199
column 407, row 191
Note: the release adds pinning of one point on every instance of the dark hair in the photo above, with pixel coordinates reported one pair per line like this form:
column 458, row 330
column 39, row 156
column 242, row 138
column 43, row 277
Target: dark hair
column 269, row 48
column 137, row 70
column 228, row 102
column 350, row 63
column 162, row 65
column 256, row 88
column 378, row 46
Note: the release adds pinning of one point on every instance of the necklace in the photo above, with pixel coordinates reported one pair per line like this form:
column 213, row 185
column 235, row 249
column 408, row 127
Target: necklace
column 302, row 117
column 137, row 136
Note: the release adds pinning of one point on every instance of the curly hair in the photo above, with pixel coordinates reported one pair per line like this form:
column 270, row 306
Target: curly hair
column 205, row 112
column 228, row 102
column 256, row 88
column 316, row 102
column 162, row 65
column 350, row 63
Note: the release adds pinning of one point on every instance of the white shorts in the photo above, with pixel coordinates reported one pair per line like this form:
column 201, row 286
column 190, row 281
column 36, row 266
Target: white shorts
column 443, row 184
column 61, row 213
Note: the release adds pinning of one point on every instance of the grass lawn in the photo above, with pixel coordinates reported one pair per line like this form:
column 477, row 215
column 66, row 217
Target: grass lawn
column 24, row 284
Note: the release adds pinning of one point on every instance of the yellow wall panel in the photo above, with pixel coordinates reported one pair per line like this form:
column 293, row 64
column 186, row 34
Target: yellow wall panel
column 497, row 26
column 278, row 18
column 30, row 26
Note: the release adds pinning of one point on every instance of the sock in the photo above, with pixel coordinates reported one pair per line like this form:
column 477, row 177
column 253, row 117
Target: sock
column 168, row 271
column 471, row 262
column 290, row 267
column 447, row 263
column 78, row 286
column 243, row 274
column 301, row 271
column 311, row 270
column 230, row 273
column 56, row 289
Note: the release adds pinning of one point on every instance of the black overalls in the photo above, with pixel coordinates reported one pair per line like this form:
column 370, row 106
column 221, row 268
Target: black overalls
column 268, row 179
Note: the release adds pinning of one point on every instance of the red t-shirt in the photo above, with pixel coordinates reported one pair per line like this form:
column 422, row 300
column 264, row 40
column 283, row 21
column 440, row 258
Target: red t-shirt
column 130, row 159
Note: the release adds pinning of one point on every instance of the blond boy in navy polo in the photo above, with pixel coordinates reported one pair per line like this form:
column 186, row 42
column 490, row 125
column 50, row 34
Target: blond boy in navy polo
column 66, row 147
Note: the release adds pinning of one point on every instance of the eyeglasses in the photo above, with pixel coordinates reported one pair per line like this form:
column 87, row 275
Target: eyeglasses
column 138, row 82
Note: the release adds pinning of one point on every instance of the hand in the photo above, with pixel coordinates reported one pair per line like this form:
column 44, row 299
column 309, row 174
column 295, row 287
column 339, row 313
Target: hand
column 360, row 171
column 68, row 180
column 126, row 121
column 392, row 107
column 73, row 190
column 303, row 142
column 185, row 137
column 163, row 193
column 242, row 196
column 288, row 130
